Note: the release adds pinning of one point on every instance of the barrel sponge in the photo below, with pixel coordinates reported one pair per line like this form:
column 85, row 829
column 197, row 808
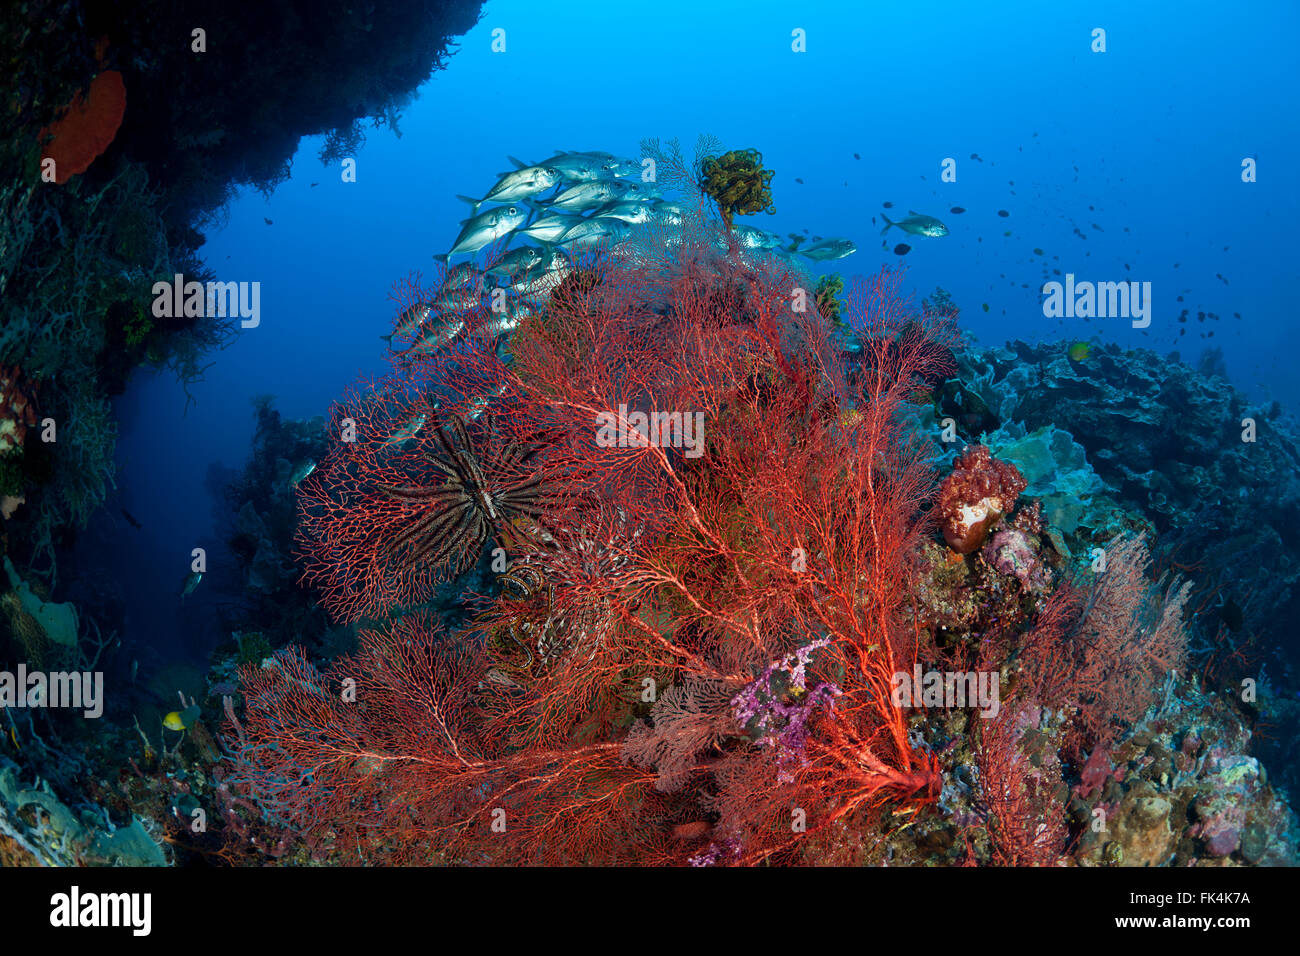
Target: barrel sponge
column 88, row 127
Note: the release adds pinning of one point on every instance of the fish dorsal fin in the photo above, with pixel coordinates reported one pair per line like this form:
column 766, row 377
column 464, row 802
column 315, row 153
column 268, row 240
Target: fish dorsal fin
column 913, row 212
column 519, row 163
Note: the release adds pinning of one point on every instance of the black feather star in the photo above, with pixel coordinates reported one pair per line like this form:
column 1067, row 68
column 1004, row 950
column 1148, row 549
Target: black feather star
column 461, row 514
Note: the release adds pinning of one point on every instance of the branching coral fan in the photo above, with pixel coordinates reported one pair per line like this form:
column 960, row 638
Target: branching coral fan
column 724, row 589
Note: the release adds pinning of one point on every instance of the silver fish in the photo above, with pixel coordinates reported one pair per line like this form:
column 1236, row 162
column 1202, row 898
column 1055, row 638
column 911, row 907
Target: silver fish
column 479, row 403
column 435, row 335
column 487, row 227
column 520, row 184
column 628, row 210
column 304, row 469
column 589, row 195
column 667, row 213
column 506, row 320
column 459, row 276
column 407, row 431
column 591, row 233
column 572, row 167
column 517, row 262
column 551, row 227
column 191, row 582
column 826, row 249
column 412, row 318
column 752, row 238
column 458, row 300
column 917, row 224
column 537, row 288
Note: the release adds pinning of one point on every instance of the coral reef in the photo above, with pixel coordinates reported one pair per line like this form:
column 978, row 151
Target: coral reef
column 721, row 567
column 975, row 496
column 687, row 651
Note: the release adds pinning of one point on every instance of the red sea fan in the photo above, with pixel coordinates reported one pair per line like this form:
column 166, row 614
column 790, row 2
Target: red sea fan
column 676, row 559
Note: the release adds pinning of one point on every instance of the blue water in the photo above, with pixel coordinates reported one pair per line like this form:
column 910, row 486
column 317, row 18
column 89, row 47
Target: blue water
column 1157, row 127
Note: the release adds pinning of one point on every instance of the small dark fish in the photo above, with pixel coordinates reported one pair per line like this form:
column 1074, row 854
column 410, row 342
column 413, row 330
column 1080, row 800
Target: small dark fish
column 267, row 221
column 798, row 180
column 888, row 205
column 1003, row 213
column 1037, row 251
column 1236, row 315
column 131, row 520
column 856, row 156
column 1127, row 268
column 976, row 157
column 986, row 306
column 957, row 210
column 902, row 249
column 314, row 185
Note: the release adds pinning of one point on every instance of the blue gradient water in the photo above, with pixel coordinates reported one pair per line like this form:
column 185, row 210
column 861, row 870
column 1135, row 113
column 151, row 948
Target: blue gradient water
column 1157, row 127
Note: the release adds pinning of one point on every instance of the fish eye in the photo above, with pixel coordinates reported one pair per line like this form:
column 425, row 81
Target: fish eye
column 511, row 210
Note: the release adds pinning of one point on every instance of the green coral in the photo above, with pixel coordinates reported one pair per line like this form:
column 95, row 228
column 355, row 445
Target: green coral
column 137, row 326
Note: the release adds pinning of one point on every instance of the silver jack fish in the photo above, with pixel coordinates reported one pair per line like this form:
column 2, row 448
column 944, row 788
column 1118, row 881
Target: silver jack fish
column 917, row 225
column 487, row 227
column 521, row 184
column 826, row 249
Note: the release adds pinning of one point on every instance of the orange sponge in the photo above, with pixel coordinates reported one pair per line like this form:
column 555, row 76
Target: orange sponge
column 88, row 127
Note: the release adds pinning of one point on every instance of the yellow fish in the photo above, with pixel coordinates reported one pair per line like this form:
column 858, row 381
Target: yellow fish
column 181, row 719
column 1078, row 352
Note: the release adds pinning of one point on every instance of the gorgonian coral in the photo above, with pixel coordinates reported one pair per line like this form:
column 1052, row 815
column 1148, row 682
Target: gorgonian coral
column 721, row 550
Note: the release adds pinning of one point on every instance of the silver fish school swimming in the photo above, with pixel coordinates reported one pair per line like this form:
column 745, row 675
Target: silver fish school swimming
column 1103, row 300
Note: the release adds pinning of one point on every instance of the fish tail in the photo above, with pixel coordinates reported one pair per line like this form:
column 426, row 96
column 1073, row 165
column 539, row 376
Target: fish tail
column 888, row 223
column 388, row 339
column 474, row 203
